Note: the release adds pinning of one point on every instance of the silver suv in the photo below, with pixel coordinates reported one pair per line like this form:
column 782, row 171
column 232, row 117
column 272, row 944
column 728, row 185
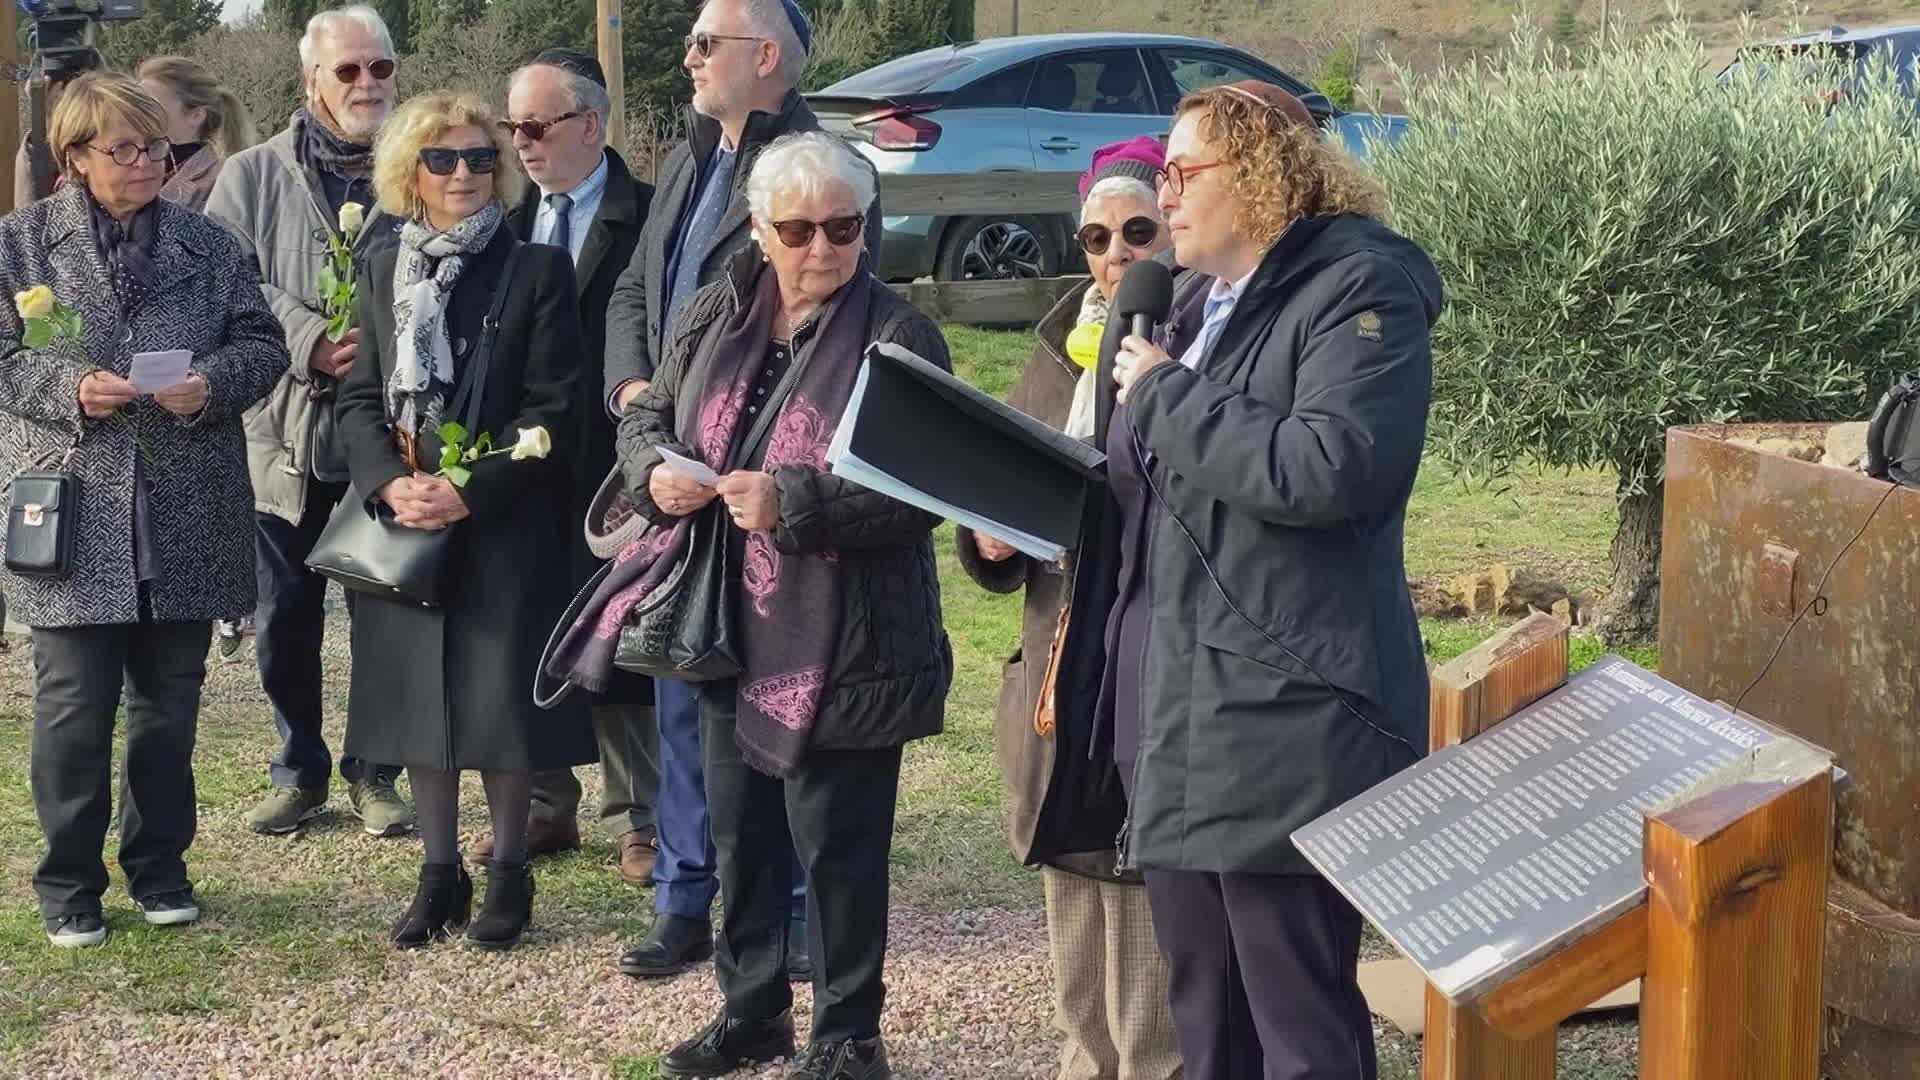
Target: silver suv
column 1040, row 102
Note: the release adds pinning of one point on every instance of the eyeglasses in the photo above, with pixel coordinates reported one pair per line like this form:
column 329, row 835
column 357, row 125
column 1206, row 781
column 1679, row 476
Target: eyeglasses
column 127, row 153
column 1174, row 176
column 840, row 231
column 350, row 73
column 1137, row 232
column 702, row 42
column 537, row 129
column 442, row 160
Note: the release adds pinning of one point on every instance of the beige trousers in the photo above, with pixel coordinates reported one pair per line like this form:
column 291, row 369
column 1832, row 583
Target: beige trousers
column 1109, row 981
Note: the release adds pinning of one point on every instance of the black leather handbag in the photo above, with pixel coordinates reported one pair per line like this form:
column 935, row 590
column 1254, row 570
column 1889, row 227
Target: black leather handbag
column 363, row 548
column 43, row 521
column 684, row 628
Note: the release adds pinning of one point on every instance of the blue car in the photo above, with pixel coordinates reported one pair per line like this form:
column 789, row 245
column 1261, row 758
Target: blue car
column 1041, row 102
column 1899, row 45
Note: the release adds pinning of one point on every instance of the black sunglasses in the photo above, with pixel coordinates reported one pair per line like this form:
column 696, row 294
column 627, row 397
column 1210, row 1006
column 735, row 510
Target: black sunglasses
column 703, row 42
column 442, row 160
column 840, row 231
column 1137, row 232
column 537, row 129
column 350, row 73
column 126, row 153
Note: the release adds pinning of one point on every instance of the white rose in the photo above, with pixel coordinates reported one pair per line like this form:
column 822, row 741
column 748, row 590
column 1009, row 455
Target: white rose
column 352, row 216
column 534, row 443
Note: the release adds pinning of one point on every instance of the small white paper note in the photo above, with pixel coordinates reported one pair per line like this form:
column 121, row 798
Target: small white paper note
column 153, row 372
column 688, row 469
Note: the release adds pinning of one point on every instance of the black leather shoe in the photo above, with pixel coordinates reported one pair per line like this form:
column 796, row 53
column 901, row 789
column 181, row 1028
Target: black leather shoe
column 727, row 1045
column 799, row 963
column 854, row 1059
column 441, row 904
column 674, row 944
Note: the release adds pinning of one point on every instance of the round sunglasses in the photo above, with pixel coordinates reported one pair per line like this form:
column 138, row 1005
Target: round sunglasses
column 840, row 231
column 350, row 73
column 442, row 160
column 535, row 130
column 1136, row 231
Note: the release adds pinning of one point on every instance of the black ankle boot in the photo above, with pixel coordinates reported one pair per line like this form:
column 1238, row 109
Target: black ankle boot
column 441, row 904
column 508, row 908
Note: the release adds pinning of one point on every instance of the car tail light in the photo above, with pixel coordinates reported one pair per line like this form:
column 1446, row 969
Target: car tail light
column 901, row 129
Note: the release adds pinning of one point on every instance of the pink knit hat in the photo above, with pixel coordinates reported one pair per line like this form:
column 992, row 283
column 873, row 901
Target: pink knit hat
column 1140, row 158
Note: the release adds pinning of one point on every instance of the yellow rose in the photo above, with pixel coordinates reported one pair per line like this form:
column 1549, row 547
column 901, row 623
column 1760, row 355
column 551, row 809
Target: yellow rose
column 352, row 216
column 35, row 303
column 534, row 443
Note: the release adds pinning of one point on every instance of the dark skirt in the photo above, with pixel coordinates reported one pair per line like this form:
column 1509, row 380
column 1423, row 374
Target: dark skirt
column 452, row 688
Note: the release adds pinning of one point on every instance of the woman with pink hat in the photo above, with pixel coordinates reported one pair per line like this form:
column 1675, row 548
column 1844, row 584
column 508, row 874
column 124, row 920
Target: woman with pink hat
column 1110, row 980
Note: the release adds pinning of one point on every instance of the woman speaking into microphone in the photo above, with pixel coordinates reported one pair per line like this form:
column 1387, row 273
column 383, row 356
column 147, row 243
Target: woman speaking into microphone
column 1262, row 661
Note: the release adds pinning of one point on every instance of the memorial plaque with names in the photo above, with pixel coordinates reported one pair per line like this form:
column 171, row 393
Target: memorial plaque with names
column 1489, row 855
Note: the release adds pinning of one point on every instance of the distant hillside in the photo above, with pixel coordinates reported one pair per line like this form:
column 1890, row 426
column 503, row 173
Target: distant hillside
column 1299, row 34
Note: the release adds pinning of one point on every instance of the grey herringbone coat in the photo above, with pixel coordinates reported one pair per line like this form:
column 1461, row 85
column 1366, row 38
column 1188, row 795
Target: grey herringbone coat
column 208, row 301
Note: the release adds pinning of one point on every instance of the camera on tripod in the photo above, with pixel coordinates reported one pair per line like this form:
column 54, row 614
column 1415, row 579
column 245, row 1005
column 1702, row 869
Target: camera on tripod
column 61, row 34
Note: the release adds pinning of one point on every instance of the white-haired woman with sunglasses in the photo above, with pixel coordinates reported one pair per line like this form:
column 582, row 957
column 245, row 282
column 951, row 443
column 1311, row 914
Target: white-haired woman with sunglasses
column 1109, row 979
column 845, row 659
column 446, row 690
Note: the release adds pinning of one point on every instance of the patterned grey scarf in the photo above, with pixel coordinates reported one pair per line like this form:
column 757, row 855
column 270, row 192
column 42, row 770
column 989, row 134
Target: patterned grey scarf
column 429, row 265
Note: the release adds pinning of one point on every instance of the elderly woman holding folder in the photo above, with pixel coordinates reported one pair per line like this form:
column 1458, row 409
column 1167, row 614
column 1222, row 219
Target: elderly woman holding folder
column 1109, row 979
column 837, row 627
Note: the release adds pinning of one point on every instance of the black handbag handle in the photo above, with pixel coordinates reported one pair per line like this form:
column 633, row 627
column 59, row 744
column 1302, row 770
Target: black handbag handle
column 472, row 390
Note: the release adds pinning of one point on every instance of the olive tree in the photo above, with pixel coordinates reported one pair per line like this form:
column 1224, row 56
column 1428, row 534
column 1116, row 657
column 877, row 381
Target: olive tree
column 1630, row 243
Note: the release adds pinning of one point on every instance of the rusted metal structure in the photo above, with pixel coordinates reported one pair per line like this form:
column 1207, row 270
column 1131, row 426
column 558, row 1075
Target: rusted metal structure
column 1755, row 518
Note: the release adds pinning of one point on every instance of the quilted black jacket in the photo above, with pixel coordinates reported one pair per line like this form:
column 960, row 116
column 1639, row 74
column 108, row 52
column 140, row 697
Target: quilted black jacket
column 894, row 663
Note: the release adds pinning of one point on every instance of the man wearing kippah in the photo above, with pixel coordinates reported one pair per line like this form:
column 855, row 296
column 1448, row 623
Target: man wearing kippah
column 583, row 199
column 745, row 58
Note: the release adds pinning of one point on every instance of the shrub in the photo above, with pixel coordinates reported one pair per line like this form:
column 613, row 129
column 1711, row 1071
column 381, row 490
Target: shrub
column 1628, row 246
column 1339, row 76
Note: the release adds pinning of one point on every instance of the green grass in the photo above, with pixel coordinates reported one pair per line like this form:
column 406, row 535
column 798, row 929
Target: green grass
column 285, row 915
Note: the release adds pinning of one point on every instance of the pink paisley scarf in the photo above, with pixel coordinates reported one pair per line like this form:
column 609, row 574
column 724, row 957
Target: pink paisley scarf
column 790, row 622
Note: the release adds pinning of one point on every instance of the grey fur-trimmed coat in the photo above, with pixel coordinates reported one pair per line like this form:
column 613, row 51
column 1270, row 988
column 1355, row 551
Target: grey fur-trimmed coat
column 207, row 299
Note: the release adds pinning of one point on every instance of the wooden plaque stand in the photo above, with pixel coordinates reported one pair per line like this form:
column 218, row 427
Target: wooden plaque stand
column 1729, row 941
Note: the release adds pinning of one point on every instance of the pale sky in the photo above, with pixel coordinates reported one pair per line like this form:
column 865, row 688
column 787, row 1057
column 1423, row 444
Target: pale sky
column 233, row 9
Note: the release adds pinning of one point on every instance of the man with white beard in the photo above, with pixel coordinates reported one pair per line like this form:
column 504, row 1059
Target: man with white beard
column 283, row 199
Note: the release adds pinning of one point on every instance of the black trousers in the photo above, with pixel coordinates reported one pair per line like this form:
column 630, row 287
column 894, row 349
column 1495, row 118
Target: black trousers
column 1264, row 976
column 78, row 675
column 839, row 806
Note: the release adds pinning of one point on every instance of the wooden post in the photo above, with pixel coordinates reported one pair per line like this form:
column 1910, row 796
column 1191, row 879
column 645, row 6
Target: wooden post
column 10, row 108
column 613, row 63
column 1736, row 925
column 1468, row 695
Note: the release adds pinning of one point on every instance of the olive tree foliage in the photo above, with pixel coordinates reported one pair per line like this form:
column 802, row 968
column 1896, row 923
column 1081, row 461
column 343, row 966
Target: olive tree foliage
column 1630, row 244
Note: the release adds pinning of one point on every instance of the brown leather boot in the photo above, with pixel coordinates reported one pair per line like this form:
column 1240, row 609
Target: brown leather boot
column 639, row 850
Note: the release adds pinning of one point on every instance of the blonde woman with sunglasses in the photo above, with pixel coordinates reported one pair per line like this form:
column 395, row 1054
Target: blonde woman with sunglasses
column 445, row 690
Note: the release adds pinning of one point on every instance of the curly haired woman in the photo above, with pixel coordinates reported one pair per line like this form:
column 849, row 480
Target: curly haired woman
column 1261, row 660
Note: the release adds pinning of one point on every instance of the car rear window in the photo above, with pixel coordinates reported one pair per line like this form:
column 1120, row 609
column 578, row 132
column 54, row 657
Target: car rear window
column 907, row 75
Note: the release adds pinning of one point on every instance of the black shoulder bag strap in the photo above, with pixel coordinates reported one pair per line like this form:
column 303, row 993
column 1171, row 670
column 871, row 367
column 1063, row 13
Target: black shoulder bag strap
column 470, row 395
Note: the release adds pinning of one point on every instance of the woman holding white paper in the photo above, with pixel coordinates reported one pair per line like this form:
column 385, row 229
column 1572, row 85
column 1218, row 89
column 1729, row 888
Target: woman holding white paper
column 838, row 626
column 159, row 503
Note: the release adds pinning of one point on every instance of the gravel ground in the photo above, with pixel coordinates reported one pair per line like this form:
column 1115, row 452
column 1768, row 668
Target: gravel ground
column 967, row 998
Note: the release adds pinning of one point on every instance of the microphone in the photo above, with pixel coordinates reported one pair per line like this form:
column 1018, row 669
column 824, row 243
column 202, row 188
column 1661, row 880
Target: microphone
column 1140, row 304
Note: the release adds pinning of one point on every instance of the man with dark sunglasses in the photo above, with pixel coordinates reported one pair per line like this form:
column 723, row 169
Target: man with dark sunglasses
column 584, row 199
column 283, row 199
column 745, row 58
